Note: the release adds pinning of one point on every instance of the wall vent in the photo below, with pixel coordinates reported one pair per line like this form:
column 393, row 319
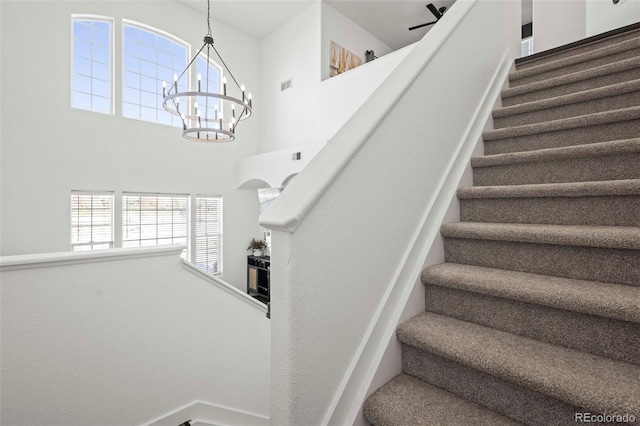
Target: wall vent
column 286, row 85
column 296, row 156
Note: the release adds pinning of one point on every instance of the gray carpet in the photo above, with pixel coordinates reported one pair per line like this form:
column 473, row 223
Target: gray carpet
column 535, row 314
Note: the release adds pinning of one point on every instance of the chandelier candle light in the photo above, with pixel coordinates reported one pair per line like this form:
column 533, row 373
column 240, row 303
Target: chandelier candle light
column 199, row 123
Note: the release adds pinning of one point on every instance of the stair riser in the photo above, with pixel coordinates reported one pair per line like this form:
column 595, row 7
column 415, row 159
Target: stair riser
column 611, row 167
column 581, row 66
column 624, row 100
column 578, row 86
column 510, row 399
column 570, row 137
column 603, row 211
column 579, row 50
column 588, row 263
column 598, row 335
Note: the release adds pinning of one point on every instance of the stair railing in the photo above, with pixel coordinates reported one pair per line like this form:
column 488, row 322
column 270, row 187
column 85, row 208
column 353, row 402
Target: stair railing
column 351, row 232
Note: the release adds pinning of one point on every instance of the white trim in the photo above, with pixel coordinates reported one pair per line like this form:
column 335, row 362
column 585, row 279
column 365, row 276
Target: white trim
column 213, row 414
column 352, row 391
column 26, row 261
column 224, row 285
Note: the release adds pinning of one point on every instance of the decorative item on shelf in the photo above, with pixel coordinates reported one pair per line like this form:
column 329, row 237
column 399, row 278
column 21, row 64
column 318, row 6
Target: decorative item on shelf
column 207, row 116
column 257, row 246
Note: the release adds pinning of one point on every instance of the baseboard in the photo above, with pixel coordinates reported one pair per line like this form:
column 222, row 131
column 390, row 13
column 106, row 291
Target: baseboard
column 346, row 406
column 201, row 413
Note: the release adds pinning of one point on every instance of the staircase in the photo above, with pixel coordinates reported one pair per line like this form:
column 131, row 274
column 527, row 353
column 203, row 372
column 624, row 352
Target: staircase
column 535, row 316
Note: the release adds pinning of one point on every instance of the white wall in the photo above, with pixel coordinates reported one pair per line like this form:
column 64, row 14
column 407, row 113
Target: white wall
column 603, row 15
column 313, row 110
column 342, row 30
column 292, row 52
column 49, row 149
column 558, row 22
column 126, row 340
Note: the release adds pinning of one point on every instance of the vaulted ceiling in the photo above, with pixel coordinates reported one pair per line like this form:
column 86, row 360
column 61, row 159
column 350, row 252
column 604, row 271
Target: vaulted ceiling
column 387, row 20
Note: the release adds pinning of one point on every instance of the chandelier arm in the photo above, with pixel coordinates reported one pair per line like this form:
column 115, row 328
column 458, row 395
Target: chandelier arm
column 225, row 66
column 175, row 83
column 244, row 110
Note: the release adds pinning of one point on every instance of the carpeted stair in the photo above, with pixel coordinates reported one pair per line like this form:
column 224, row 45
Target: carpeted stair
column 535, row 316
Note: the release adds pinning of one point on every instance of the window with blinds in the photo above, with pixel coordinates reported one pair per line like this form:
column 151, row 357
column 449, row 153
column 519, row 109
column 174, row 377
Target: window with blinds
column 154, row 219
column 91, row 221
column 208, row 234
column 526, row 47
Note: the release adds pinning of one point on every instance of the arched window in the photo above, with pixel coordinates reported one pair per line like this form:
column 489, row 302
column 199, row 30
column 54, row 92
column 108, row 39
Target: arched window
column 150, row 57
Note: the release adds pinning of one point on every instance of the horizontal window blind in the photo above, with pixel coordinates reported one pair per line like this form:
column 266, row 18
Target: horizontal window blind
column 154, row 219
column 526, row 47
column 208, row 247
column 91, row 221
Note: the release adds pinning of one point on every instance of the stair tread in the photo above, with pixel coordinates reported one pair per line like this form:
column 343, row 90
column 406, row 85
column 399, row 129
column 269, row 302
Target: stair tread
column 563, row 189
column 613, row 68
column 562, row 100
column 575, row 59
column 613, row 237
column 591, row 297
column 593, row 119
column 576, row 377
column 406, row 400
column 625, row 146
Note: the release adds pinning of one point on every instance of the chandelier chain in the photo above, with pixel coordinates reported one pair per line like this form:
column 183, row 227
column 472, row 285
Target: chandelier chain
column 209, row 18
column 200, row 124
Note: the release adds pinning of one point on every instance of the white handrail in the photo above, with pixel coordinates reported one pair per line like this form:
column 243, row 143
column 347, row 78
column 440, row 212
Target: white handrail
column 23, row 261
column 225, row 286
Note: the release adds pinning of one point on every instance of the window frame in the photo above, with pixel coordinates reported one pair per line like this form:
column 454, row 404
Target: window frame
column 92, row 243
column 111, row 22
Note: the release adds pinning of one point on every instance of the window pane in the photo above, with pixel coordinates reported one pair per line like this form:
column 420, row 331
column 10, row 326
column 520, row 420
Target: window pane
column 91, row 65
column 101, row 88
column 100, row 71
column 100, row 38
column 82, row 66
column 131, row 111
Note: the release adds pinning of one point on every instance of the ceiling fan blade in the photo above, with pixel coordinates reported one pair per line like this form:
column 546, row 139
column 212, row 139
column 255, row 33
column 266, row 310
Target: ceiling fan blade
column 434, row 10
column 423, row 25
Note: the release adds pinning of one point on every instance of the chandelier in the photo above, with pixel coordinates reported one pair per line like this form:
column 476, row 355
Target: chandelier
column 207, row 115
